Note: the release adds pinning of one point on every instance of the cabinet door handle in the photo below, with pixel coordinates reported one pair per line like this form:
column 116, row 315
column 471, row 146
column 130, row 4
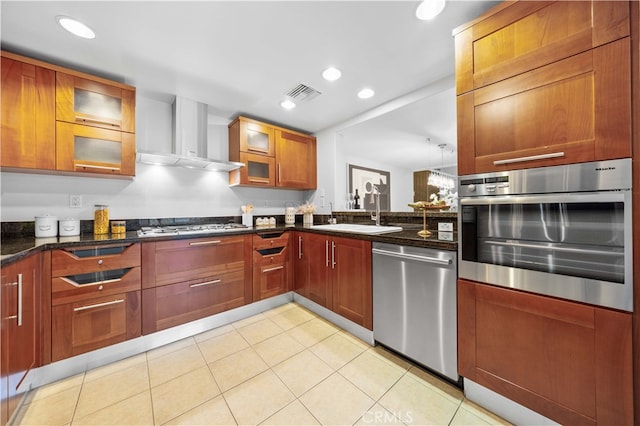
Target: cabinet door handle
column 262, row 151
column 254, row 180
column 205, row 283
column 299, row 247
column 529, row 158
column 275, row 268
column 98, row 305
column 91, row 166
column 204, row 243
column 326, row 253
column 96, row 121
column 19, row 300
column 279, row 171
column 333, row 255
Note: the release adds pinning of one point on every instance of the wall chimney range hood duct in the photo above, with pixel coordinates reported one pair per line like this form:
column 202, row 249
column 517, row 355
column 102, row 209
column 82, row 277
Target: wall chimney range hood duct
column 189, row 147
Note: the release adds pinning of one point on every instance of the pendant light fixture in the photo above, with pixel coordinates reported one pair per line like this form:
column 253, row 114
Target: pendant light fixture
column 437, row 177
column 429, row 9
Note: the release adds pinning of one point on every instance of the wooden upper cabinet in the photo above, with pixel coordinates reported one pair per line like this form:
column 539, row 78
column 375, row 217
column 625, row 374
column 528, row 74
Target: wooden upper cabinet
column 273, row 156
column 92, row 103
column 54, row 118
column 544, row 83
column 296, row 160
column 515, row 38
column 28, row 116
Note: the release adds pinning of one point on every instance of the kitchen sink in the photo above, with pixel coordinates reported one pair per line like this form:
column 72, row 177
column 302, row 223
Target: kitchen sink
column 358, row 229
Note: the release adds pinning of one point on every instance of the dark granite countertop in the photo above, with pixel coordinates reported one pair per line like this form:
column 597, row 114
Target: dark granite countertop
column 17, row 247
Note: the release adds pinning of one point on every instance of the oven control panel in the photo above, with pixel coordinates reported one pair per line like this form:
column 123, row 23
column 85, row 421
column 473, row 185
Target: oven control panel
column 493, row 185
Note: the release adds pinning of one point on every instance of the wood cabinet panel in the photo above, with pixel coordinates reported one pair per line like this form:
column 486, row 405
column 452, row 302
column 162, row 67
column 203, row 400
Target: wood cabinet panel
column 64, row 290
column 352, row 283
column 193, row 260
column 574, row 110
column 335, row 272
column 91, row 324
column 28, row 116
column 65, row 262
column 553, row 356
column 297, row 162
column 20, row 331
column 271, row 264
column 171, row 305
column 513, row 39
column 300, row 264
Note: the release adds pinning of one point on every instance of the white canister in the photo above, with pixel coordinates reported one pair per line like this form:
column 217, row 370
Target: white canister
column 290, row 216
column 46, row 226
column 68, row 227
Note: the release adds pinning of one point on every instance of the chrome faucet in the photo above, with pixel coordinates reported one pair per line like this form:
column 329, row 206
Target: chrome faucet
column 376, row 196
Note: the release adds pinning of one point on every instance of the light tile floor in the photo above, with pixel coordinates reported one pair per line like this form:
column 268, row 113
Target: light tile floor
column 285, row 366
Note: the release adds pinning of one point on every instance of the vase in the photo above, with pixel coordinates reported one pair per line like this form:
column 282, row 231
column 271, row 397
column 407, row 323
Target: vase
column 307, row 219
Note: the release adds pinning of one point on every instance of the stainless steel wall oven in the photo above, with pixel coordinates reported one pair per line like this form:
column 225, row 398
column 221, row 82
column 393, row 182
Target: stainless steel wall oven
column 563, row 231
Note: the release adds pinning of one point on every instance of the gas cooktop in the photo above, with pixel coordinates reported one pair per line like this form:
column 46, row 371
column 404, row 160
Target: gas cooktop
column 156, row 231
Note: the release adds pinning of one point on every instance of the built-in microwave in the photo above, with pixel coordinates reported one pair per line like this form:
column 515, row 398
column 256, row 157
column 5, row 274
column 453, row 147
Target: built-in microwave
column 563, row 231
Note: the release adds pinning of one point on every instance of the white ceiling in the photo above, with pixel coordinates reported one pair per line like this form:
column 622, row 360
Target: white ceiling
column 242, row 57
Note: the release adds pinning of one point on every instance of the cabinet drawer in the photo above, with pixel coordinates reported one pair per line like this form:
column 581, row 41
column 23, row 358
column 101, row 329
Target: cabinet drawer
column 176, row 304
column 270, row 280
column 79, row 287
column 84, row 326
column 193, row 260
column 270, row 256
column 270, row 239
column 80, row 260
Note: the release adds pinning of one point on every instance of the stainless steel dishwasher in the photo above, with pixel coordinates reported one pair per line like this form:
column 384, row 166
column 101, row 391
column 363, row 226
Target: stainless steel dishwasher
column 414, row 304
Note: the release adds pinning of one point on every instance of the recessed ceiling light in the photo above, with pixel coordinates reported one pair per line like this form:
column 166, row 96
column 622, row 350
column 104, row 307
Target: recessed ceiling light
column 75, row 27
column 288, row 104
column 366, row 93
column 331, row 74
column 429, row 9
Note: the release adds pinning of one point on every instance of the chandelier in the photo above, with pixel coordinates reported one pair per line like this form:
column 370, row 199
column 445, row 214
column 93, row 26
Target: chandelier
column 438, row 178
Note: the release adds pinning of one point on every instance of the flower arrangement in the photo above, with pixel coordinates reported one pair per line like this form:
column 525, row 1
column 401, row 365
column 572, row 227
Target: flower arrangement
column 307, row 208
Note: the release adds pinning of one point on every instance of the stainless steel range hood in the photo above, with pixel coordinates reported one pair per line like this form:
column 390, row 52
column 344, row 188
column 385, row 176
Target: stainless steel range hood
column 189, row 150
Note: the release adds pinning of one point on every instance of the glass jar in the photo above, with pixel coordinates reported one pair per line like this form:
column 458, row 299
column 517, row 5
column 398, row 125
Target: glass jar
column 118, row 227
column 101, row 219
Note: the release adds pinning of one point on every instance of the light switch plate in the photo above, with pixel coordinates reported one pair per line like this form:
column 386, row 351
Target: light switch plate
column 75, row 201
column 445, row 226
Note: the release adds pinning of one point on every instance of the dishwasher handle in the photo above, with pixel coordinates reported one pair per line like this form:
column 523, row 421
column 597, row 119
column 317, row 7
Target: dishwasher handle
column 416, row 257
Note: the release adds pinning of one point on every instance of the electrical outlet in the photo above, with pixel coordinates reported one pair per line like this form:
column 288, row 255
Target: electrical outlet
column 75, row 201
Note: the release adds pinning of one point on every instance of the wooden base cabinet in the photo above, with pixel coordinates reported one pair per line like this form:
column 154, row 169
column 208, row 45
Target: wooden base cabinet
column 188, row 279
column 95, row 298
column 567, row 361
column 271, row 263
column 337, row 275
column 20, row 332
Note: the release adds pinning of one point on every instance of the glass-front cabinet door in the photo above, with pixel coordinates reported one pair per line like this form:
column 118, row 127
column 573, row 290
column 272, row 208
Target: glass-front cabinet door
column 94, row 150
column 93, row 103
column 257, row 138
column 259, row 170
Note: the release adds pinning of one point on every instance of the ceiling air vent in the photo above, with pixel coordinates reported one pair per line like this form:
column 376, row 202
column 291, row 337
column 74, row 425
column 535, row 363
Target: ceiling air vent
column 302, row 92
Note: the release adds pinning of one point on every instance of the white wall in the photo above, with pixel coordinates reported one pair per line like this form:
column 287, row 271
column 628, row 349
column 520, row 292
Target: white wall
column 155, row 192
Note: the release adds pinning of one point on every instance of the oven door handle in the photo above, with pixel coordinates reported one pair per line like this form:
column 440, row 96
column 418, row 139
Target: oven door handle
column 546, row 247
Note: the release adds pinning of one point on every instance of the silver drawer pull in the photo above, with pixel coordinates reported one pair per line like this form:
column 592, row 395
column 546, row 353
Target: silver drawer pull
column 91, row 166
column 205, row 283
column 204, row 243
column 254, row 180
column 529, row 158
column 275, row 268
column 98, row 305
column 94, row 121
column 100, row 283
